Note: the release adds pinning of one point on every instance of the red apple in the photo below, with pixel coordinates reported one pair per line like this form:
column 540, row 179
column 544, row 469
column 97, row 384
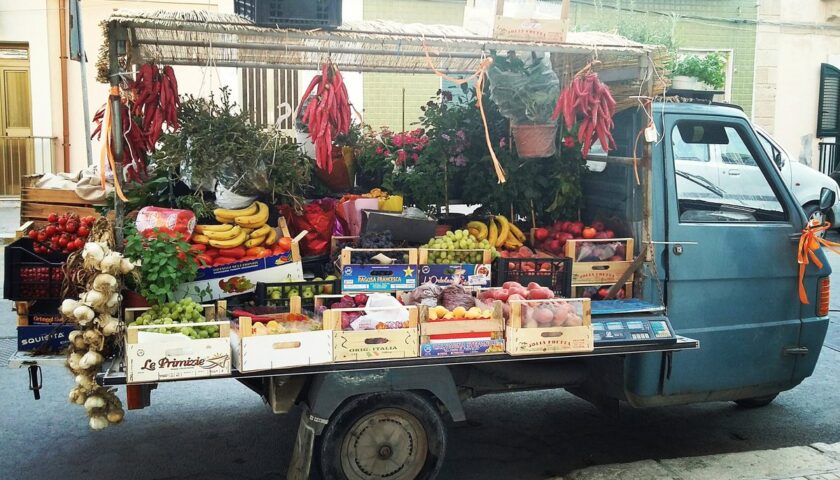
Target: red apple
column 589, row 233
column 598, row 225
column 501, row 294
column 533, row 285
column 555, row 245
column 609, row 233
column 575, row 228
column 515, row 297
column 509, row 285
column 541, row 234
column 599, row 235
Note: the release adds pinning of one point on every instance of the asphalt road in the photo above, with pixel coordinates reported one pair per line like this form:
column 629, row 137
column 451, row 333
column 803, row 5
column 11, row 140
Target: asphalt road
column 219, row 430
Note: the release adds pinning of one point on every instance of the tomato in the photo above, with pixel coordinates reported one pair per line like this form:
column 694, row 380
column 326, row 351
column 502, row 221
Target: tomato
column 33, row 234
column 589, row 232
column 83, row 231
column 42, row 237
column 79, row 243
column 71, row 226
column 284, row 244
column 50, row 231
column 63, row 241
column 62, row 220
column 52, row 218
column 198, row 247
column 89, row 220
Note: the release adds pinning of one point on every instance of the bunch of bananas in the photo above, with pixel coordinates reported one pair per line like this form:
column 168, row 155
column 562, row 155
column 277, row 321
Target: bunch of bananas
column 499, row 231
column 246, row 227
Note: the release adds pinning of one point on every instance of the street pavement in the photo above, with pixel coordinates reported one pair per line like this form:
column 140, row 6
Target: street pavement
column 219, row 430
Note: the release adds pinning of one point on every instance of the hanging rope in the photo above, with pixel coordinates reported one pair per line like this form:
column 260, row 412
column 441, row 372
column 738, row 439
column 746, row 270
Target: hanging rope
column 480, row 74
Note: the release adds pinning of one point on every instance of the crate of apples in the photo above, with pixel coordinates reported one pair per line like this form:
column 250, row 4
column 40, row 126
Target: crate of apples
column 553, row 239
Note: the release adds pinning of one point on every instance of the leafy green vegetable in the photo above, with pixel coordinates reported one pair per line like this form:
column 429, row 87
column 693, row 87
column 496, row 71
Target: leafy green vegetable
column 710, row 69
column 166, row 263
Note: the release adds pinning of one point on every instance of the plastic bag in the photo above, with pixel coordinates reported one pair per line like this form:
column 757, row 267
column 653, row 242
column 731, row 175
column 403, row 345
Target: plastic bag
column 227, row 199
column 524, row 90
column 318, row 218
column 381, row 309
column 166, row 220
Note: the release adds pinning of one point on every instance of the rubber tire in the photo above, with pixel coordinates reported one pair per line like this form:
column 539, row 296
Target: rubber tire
column 328, row 444
column 810, row 209
column 756, row 402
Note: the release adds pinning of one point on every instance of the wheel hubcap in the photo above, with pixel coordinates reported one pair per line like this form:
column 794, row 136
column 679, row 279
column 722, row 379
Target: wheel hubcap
column 388, row 443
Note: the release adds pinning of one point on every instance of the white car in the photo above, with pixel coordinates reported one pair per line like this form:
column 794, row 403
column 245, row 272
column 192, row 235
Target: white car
column 805, row 182
column 725, row 172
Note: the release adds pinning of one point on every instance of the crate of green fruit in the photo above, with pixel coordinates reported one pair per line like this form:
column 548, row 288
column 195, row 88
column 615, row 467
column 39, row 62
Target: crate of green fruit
column 279, row 294
column 175, row 341
column 471, row 267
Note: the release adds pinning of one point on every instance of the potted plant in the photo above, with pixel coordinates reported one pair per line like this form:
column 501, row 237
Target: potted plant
column 525, row 92
column 693, row 72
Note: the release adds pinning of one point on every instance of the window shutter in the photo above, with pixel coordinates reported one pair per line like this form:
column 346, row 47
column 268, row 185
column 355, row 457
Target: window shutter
column 828, row 115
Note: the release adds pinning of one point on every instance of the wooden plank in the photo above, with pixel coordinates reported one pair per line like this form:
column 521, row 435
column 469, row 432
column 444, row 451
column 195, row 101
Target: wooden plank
column 40, row 211
column 52, row 195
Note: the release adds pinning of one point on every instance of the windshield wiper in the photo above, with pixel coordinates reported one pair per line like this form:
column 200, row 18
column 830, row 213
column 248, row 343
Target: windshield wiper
column 703, row 182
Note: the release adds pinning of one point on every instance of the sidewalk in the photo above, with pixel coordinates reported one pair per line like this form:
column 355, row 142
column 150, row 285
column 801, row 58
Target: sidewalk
column 819, row 461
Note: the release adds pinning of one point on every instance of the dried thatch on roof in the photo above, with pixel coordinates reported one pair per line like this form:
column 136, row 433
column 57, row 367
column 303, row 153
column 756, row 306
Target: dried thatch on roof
column 200, row 38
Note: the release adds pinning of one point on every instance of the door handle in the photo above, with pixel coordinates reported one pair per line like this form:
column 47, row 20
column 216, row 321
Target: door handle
column 734, row 172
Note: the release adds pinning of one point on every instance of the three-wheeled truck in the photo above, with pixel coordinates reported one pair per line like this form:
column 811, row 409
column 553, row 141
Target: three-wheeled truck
column 716, row 316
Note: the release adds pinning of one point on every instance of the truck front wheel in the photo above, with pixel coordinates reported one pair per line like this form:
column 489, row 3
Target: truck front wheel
column 392, row 435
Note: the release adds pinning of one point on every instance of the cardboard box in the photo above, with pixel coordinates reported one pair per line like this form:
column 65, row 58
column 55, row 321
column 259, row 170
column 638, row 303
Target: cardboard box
column 155, row 357
column 592, row 264
column 463, row 347
column 590, row 291
column 523, row 340
column 472, row 274
column 39, row 312
column 43, row 338
column 283, row 350
column 359, row 345
column 523, row 20
column 378, row 278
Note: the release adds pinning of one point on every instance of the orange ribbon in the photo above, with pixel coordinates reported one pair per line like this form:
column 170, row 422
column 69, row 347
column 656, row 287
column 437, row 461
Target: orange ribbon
column 479, row 75
column 809, row 243
column 106, row 152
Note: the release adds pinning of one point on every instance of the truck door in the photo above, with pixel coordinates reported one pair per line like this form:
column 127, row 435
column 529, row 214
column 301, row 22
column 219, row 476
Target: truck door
column 736, row 289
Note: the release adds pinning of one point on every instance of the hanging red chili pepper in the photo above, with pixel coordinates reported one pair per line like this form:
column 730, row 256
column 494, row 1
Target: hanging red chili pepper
column 327, row 115
column 590, row 99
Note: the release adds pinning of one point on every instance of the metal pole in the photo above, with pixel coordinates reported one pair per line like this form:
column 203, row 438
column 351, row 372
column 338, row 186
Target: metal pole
column 116, row 131
column 83, row 73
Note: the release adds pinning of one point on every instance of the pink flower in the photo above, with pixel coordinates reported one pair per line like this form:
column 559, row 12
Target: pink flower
column 398, row 140
column 459, row 160
column 569, row 142
column 461, row 135
column 401, row 157
column 415, row 157
column 380, row 150
column 502, row 142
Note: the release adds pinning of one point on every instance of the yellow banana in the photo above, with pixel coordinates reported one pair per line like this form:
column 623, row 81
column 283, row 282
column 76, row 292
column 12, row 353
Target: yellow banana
column 260, row 232
column 254, row 242
column 504, row 230
column 213, row 228
column 473, row 232
column 230, row 243
column 517, row 232
column 232, row 233
column 271, row 239
column 202, row 239
column 231, row 214
column 255, row 220
column 494, row 233
column 247, row 230
column 480, row 228
column 512, row 244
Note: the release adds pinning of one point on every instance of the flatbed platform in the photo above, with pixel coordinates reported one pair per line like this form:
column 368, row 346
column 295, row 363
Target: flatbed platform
column 113, row 375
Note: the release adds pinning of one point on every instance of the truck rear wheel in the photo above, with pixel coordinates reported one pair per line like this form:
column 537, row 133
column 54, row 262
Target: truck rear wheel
column 392, row 435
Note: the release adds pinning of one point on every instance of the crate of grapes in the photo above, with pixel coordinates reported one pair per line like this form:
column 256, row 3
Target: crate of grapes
column 462, row 266
column 378, row 269
column 175, row 341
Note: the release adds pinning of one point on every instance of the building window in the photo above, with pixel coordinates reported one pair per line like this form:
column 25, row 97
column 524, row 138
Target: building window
column 828, row 115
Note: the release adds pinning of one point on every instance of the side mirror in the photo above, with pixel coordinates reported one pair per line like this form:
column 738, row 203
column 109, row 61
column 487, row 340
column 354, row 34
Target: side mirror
column 827, row 198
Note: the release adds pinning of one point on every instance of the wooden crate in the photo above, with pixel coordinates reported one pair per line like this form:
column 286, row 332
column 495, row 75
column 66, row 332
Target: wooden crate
column 31, row 313
column 586, row 272
column 160, row 358
column 283, row 350
column 37, row 203
column 359, row 345
column 378, row 278
column 463, row 343
column 523, row 340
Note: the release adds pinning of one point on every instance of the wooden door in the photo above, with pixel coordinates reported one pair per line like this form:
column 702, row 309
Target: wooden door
column 16, row 142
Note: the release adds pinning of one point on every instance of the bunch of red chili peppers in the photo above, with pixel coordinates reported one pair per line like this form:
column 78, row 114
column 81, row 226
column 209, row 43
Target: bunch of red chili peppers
column 587, row 96
column 327, row 115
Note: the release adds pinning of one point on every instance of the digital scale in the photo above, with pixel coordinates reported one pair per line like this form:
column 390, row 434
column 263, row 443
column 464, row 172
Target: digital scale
column 631, row 321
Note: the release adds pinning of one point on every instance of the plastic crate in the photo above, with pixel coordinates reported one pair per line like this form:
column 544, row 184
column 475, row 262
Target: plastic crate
column 304, row 14
column 554, row 273
column 30, row 276
column 263, row 295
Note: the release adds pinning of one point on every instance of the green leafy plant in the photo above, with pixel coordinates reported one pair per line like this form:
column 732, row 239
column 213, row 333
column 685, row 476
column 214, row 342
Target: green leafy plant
column 525, row 91
column 218, row 142
column 710, row 69
column 165, row 264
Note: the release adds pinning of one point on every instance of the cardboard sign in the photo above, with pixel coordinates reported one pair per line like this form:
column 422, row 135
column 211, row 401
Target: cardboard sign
column 466, row 347
column 155, row 357
column 242, row 277
column 378, row 278
column 471, row 274
column 44, row 337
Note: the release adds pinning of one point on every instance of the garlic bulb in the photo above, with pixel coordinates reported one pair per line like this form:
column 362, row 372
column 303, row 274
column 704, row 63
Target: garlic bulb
column 85, row 381
column 77, row 338
column 116, row 416
column 94, row 402
column 105, row 283
column 83, row 314
column 126, row 266
column 67, row 307
column 77, row 396
column 93, row 254
column 73, row 361
column 91, row 359
column 98, row 422
column 111, row 263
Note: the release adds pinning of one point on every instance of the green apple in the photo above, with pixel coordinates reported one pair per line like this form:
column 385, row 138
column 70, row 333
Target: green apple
column 328, row 289
column 308, row 292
